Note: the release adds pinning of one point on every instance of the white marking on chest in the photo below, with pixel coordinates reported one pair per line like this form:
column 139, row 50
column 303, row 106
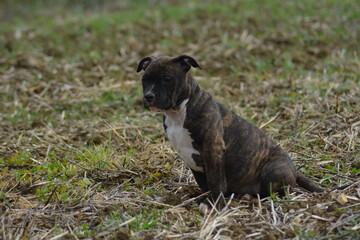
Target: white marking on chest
column 179, row 136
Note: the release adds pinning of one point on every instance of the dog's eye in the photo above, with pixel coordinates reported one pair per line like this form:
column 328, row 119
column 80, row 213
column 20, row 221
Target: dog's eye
column 167, row 78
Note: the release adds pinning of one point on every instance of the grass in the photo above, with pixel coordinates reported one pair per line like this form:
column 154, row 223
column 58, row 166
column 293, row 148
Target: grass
column 80, row 158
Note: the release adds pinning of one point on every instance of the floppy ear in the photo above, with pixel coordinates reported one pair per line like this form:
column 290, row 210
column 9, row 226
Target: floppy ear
column 143, row 64
column 186, row 62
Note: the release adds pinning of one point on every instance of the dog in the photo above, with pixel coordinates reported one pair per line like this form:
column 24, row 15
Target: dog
column 226, row 154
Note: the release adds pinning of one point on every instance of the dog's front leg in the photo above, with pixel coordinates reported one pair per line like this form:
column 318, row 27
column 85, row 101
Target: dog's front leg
column 214, row 158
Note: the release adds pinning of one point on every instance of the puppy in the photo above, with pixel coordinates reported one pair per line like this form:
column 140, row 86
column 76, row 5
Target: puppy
column 226, row 154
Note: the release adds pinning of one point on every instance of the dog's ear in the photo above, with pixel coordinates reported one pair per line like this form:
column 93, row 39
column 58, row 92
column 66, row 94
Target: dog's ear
column 186, row 62
column 143, row 64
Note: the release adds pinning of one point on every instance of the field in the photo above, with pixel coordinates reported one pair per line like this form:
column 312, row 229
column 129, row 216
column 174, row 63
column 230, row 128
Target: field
column 81, row 159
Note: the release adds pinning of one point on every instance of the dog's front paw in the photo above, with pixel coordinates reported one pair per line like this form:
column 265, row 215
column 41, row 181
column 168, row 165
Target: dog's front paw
column 204, row 208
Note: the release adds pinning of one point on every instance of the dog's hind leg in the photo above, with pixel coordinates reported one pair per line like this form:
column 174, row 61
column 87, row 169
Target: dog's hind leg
column 276, row 175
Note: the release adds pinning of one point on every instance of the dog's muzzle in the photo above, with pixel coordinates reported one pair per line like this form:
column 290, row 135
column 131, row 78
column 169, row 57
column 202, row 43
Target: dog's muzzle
column 149, row 98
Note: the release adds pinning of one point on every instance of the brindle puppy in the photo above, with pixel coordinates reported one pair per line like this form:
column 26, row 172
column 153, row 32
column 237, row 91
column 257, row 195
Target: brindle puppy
column 226, row 153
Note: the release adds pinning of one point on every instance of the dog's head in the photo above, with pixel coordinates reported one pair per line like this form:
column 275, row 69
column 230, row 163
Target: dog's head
column 165, row 81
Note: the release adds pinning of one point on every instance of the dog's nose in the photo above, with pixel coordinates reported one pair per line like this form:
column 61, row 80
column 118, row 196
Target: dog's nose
column 149, row 97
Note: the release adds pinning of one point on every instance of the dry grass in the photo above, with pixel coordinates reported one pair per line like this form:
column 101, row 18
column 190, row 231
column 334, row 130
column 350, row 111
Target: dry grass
column 81, row 159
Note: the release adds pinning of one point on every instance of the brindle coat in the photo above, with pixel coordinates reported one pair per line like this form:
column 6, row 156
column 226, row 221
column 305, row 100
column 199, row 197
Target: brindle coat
column 237, row 157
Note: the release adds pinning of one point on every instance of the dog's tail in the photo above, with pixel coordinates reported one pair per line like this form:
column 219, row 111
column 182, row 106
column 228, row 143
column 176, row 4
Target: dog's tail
column 307, row 184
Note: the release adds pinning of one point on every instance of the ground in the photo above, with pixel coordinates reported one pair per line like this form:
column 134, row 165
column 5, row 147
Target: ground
column 81, row 159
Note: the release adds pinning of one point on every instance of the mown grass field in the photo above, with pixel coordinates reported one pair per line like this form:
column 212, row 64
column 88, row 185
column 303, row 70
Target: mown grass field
column 81, row 159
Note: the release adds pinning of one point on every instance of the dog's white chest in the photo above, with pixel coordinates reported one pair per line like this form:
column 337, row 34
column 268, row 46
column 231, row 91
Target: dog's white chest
column 179, row 136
